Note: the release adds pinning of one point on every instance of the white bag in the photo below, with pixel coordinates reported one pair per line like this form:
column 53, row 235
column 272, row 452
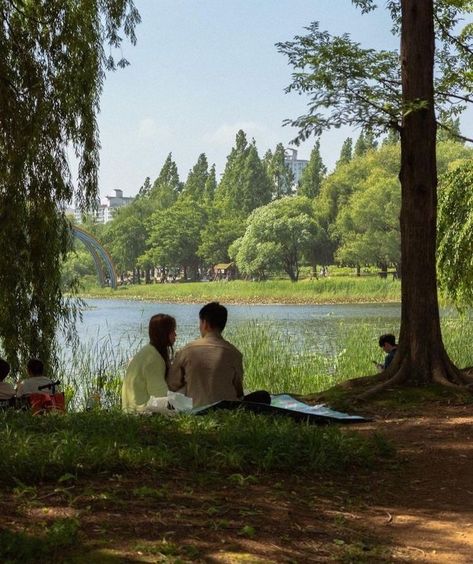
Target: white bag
column 180, row 402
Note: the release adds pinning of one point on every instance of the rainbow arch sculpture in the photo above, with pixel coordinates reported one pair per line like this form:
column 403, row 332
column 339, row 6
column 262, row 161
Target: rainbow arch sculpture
column 103, row 262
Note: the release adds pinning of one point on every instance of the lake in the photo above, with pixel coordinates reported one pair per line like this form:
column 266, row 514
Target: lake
column 314, row 326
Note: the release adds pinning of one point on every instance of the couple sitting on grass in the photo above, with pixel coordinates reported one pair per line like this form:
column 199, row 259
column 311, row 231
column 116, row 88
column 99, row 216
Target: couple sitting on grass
column 30, row 385
column 207, row 370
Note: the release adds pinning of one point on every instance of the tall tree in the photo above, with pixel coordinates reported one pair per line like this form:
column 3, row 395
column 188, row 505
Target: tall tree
column 313, row 174
column 166, row 188
column 210, row 186
column 245, row 184
column 360, row 145
column 194, row 187
column 255, row 187
column 280, row 174
column 174, row 236
column 226, row 196
column 346, row 153
column 52, row 70
column 377, row 95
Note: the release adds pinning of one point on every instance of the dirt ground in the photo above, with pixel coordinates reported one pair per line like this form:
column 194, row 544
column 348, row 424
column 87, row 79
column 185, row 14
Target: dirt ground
column 416, row 508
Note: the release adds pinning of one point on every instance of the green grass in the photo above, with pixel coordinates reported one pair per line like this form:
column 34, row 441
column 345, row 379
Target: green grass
column 62, row 448
column 334, row 289
column 275, row 361
column 46, row 547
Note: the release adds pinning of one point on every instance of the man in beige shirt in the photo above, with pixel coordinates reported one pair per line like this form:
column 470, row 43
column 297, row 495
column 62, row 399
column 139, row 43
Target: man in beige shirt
column 209, row 369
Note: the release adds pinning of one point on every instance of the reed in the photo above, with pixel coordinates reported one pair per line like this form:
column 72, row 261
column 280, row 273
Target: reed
column 275, row 361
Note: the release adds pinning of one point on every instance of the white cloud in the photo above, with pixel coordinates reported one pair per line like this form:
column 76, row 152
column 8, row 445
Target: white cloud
column 148, row 129
column 225, row 134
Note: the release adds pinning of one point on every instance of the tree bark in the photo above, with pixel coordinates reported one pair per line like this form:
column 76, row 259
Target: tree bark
column 420, row 337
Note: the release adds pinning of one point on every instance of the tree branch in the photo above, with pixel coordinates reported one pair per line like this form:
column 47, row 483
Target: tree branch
column 453, row 38
column 466, row 99
column 453, row 133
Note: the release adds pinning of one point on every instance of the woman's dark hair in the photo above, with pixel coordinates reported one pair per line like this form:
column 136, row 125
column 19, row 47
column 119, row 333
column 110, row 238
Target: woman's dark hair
column 160, row 327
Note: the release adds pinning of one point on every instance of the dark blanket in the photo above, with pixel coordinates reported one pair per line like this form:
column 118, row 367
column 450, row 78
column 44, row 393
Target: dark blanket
column 286, row 405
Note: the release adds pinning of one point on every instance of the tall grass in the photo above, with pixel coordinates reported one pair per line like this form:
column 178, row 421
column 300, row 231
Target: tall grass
column 344, row 289
column 96, row 368
column 275, row 361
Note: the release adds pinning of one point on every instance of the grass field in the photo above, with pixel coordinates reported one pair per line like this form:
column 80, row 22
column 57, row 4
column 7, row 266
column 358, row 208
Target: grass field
column 336, row 289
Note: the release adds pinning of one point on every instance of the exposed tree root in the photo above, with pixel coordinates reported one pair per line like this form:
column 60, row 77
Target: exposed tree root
column 443, row 372
column 398, row 378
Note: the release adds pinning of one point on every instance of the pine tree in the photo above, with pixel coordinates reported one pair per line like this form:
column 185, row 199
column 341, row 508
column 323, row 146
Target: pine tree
column 256, row 186
column 226, row 195
column 346, row 154
column 313, row 174
column 167, row 187
column 280, row 174
column 360, row 145
column 195, row 185
column 210, row 186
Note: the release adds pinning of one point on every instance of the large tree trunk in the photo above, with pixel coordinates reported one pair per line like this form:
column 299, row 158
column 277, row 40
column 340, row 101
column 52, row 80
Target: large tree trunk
column 420, row 339
column 421, row 357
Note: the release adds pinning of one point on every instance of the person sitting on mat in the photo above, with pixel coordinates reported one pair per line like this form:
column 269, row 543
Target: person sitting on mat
column 210, row 369
column 7, row 391
column 144, row 387
column 36, row 378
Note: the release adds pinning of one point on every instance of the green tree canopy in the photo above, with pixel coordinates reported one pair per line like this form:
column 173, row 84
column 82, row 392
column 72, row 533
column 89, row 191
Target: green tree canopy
column 313, row 174
column 51, row 76
column 194, row 187
column 175, row 235
column 277, row 237
column 166, row 188
column 281, row 176
column 455, row 234
column 346, row 152
column 245, row 185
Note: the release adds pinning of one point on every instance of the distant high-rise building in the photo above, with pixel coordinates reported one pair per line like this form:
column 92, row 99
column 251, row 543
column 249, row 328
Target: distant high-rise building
column 105, row 209
column 296, row 165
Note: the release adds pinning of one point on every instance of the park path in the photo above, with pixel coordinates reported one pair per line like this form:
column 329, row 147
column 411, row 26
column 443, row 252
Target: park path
column 426, row 509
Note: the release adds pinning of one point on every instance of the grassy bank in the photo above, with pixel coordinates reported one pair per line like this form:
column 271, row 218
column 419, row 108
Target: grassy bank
column 274, row 361
column 346, row 289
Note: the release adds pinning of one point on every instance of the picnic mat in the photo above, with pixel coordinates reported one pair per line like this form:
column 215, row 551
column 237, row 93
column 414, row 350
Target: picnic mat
column 286, row 405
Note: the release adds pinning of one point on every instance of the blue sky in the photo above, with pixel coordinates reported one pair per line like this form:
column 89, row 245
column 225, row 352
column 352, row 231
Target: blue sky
column 202, row 69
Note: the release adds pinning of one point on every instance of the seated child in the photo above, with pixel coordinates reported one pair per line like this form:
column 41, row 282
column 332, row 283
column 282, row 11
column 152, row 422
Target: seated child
column 7, row 391
column 35, row 379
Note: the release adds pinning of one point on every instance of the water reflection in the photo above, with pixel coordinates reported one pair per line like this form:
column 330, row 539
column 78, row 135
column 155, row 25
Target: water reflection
column 315, row 327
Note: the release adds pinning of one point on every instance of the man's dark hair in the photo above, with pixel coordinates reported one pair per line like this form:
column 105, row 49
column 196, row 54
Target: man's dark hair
column 4, row 369
column 388, row 338
column 215, row 314
column 35, row 367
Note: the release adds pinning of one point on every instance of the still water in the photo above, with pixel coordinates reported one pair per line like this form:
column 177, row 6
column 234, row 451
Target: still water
column 315, row 325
